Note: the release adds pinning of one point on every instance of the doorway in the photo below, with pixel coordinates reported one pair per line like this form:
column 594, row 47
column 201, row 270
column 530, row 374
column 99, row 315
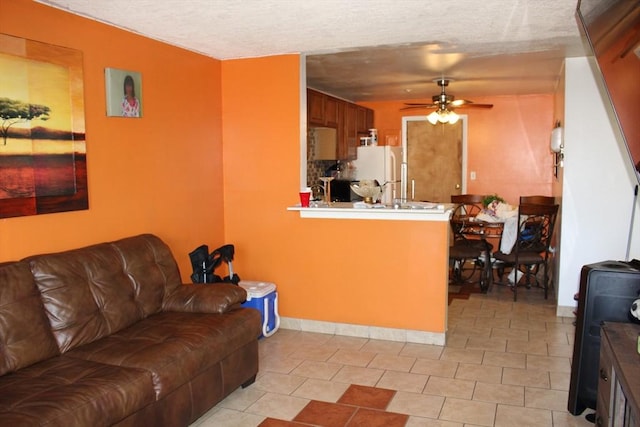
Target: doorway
column 435, row 157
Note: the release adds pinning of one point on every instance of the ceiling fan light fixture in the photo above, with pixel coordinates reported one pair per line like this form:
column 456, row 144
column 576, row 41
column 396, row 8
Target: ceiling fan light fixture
column 443, row 116
column 433, row 117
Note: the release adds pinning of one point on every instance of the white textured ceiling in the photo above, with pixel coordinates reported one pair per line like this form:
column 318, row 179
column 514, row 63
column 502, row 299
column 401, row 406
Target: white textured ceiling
column 370, row 49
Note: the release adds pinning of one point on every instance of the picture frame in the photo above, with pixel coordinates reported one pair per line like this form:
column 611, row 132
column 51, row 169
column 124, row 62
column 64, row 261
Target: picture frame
column 43, row 162
column 123, row 93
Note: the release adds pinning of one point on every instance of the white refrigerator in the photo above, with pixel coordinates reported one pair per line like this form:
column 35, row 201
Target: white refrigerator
column 381, row 162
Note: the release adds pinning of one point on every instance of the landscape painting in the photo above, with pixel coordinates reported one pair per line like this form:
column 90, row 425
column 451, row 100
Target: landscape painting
column 43, row 165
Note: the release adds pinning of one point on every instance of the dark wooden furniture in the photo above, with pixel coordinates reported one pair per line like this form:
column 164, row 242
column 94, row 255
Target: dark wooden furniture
column 619, row 376
column 607, row 290
column 531, row 249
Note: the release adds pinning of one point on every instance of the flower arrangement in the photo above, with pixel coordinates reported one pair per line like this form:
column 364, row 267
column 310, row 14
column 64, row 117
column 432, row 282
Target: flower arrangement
column 495, row 208
column 490, row 199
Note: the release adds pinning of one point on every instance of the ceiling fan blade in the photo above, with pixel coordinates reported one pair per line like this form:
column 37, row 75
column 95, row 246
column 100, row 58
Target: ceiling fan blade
column 419, row 104
column 416, row 106
column 472, row 105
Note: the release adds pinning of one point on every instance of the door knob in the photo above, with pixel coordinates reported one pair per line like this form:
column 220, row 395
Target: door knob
column 457, row 186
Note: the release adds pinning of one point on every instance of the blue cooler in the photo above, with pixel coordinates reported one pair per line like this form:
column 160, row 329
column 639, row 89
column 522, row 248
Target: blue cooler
column 263, row 297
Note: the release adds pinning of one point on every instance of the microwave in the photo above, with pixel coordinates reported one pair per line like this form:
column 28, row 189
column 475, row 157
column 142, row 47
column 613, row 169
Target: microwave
column 341, row 191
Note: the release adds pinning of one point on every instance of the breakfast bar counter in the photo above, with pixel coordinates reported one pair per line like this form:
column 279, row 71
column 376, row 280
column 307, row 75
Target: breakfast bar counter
column 410, row 211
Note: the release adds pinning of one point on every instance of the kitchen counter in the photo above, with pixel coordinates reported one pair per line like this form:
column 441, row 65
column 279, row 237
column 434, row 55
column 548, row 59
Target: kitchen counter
column 410, row 211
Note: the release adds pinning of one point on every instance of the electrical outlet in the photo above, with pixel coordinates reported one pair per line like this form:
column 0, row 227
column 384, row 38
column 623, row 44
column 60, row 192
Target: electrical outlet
column 472, row 175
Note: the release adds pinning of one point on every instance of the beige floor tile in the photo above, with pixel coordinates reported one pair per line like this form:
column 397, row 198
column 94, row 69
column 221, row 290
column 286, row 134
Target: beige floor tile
column 560, row 350
column 352, row 357
column 469, row 412
column 278, row 406
column 404, row 381
column 565, row 419
column 281, row 366
column 510, row 334
column 536, row 347
column 230, row 418
column 420, row 405
column 242, row 398
column 456, row 341
column 529, row 325
column 358, row 375
column 492, row 322
column 480, row 343
column 560, row 380
column 321, row 354
column 549, row 363
column 505, row 360
column 343, row 342
column 450, row 387
column 428, row 422
column 480, row 311
column 326, row 391
column 505, row 364
column 440, row 368
column 483, row 373
column 526, row 377
column 511, row 416
column 422, row 351
column 472, row 331
column 319, row 370
column 462, row 355
column 554, row 400
column 278, row 383
column 381, row 346
column 392, row 362
column 551, row 337
column 499, row 393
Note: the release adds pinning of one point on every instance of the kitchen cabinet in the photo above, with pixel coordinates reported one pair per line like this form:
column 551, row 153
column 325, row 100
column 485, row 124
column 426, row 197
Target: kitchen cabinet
column 619, row 376
column 351, row 121
column 315, row 107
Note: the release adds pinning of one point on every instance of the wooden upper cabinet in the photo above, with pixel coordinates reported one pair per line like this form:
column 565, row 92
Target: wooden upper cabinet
column 315, row 107
column 350, row 120
column 332, row 112
column 365, row 120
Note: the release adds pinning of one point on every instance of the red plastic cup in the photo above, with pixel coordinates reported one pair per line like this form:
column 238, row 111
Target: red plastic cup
column 305, row 196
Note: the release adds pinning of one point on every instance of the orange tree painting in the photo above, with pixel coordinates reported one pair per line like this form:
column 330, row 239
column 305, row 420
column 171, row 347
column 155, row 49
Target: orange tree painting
column 42, row 141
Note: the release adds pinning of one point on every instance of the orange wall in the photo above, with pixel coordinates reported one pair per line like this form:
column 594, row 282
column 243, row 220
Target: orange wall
column 508, row 145
column 165, row 174
column 367, row 272
column 161, row 173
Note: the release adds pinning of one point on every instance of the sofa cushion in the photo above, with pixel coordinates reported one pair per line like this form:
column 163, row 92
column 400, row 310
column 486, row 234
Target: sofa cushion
column 175, row 346
column 25, row 334
column 92, row 292
column 69, row 392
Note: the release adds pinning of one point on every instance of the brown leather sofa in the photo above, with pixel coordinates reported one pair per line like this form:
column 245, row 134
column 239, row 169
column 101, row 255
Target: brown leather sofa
column 108, row 335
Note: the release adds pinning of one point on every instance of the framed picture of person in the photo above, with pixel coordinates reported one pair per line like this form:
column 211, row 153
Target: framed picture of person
column 124, row 93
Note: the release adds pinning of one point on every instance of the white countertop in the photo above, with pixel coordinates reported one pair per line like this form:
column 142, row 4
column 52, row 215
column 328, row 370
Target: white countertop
column 411, row 211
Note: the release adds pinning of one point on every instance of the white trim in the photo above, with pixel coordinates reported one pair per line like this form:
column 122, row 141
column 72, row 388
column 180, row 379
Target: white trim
column 362, row 331
column 347, row 211
column 566, row 311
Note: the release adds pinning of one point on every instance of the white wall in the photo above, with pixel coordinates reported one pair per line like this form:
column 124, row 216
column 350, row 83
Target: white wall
column 598, row 182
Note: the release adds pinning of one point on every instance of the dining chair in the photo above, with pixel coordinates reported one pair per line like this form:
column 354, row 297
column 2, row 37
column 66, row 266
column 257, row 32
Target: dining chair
column 537, row 200
column 468, row 249
column 531, row 248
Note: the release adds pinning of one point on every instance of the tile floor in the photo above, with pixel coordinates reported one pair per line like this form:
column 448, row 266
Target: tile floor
column 505, row 364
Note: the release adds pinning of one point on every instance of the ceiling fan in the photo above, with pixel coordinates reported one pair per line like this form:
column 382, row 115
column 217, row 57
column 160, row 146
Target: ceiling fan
column 445, row 105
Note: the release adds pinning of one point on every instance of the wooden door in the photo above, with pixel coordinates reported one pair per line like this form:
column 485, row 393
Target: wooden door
column 434, row 160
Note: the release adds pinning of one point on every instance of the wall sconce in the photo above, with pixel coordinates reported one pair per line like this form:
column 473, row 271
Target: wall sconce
column 556, row 144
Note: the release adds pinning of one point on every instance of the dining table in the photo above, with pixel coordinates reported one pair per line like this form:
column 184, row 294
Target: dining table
column 497, row 223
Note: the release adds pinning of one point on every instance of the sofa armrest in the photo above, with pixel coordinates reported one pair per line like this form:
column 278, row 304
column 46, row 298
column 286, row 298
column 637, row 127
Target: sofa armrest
column 201, row 298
